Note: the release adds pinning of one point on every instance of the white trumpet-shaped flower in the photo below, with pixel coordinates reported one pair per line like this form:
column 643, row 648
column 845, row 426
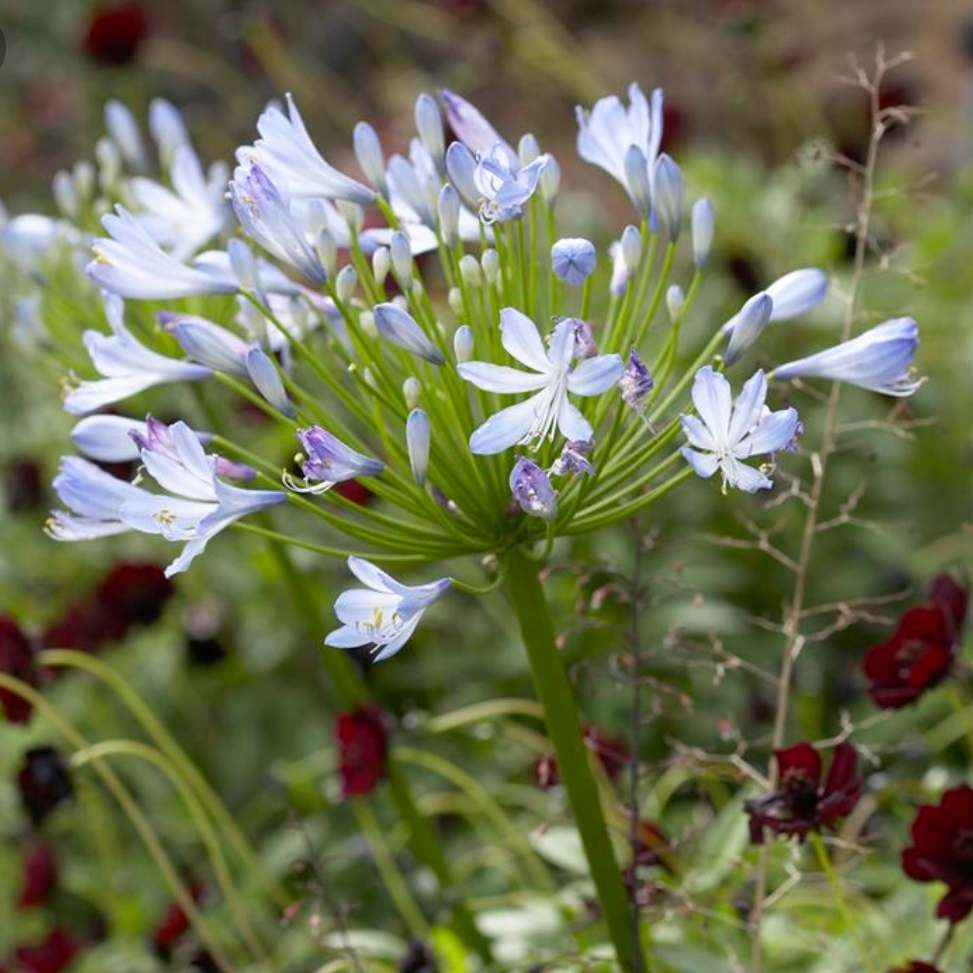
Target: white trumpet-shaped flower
column 384, row 614
column 551, row 378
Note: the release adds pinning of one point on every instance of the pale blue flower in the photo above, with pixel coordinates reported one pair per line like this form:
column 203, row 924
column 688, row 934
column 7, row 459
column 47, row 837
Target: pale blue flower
column 417, row 437
column 551, row 378
column 429, row 125
column 127, row 365
column 531, row 488
column 286, row 151
column 400, row 328
column 156, row 436
column 879, row 360
column 208, row 343
column 503, row 186
column 196, row 505
column 267, row 216
column 384, row 614
column 130, row 263
column 371, row 159
column 266, row 377
column 724, row 434
column 573, row 260
column 327, row 461
column 94, row 500
column 123, row 130
column 471, row 128
column 182, row 219
column 167, row 127
column 606, row 133
column 668, row 194
column 573, row 459
column 792, row 295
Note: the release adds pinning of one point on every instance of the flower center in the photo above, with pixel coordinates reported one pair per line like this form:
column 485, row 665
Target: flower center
column 801, row 792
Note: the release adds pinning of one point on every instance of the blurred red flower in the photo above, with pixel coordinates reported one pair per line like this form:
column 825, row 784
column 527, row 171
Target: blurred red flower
column 17, row 660
column 362, row 750
column 51, row 955
column 115, row 32
column 174, row 924
column 942, row 851
column 916, row 966
column 612, row 754
column 44, row 781
column 922, row 649
column 802, row 803
column 39, row 876
column 134, row 593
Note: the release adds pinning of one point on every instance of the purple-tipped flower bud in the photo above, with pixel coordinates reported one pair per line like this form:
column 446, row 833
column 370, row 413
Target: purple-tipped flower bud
column 397, row 326
column 328, row 461
column 266, row 377
column 532, row 489
column 702, row 220
column 584, row 338
column 573, row 260
column 669, row 195
column 417, row 437
column 636, row 381
column 751, row 320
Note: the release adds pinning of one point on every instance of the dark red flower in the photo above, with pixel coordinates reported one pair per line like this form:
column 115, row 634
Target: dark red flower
column 23, row 485
column 362, row 750
column 174, row 924
column 134, row 593
column 612, row 754
column 355, row 491
column 802, row 804
column 44, row 781
column 916, row 966
column 17, row 660
column 115, row 32
column 942, row 851
column 39, row 876
column 51, row 955
column 922, row 648
column 83, row 627
column 419, row 958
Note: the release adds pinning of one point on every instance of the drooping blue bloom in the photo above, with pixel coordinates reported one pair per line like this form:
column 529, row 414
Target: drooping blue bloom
column 606, row 133
column 384, row 614
column 94, row 500
column 417, row 437
column 471, row 128
column 573, row 260
column 292, row 160
column 792, row 295
column 115, row 439
column 156, row 436
column 551, row 379
column 879, row 360
column 208, row 343
column 400, row 328
column 267, row 379
column 722, row 434
column 126, row 364
column 749, row 324
column 327, row 461
column 268, row 217
column 130, row 263
column 531, row 488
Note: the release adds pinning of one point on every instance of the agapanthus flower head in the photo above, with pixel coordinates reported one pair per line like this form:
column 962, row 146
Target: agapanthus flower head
column 879, row 360
column 942, row 851
column 363, row 742
column 551, row 379
column 921, row 651
column 532, row 489
column 723, row 433
column 802, row 802
column 384, row 614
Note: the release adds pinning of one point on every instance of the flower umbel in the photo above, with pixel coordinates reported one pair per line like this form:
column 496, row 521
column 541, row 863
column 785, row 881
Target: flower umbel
column 384, row 614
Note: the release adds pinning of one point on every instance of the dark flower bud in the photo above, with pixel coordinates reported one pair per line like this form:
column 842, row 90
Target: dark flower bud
column 44, row 781
column 17, row 660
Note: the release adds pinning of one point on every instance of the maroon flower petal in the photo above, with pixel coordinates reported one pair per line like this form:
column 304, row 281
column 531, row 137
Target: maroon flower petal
column 800, row 760
column 362, row 750
column 957, row 804
column 953, row 600
column 956, row 904
column 39, row 876
column 17, row 660
column 50, row 955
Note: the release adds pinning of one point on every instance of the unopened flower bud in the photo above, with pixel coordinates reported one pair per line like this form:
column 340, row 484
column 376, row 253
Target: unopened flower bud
column 368, row 152
column 410, row 391
column 669, row 191
column 749, row 323
column 469, row 267
column 398, row 326
column 123, row 130
column 675, row 301
column 532, row 489
column 65, row 194
column 448, row 207
column 266, row 377
column 353, row 214
column 490, row 262
column 243, row 264
column 528, row 149
column 345, row 283
column 401, row 254
column 702, row 221
column 550, row 181
column 327, row 251
column 109, row 164
column 573, row 260
column 366, row 321
column 455, row 298
column 631, row 248
column 429, row 125
column 637, row 179
column 463, row 343
column 417, row 437
column 381, row 264
column 84, row 179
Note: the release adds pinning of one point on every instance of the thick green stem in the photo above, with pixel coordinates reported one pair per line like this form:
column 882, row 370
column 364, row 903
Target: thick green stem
column 564, row 727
